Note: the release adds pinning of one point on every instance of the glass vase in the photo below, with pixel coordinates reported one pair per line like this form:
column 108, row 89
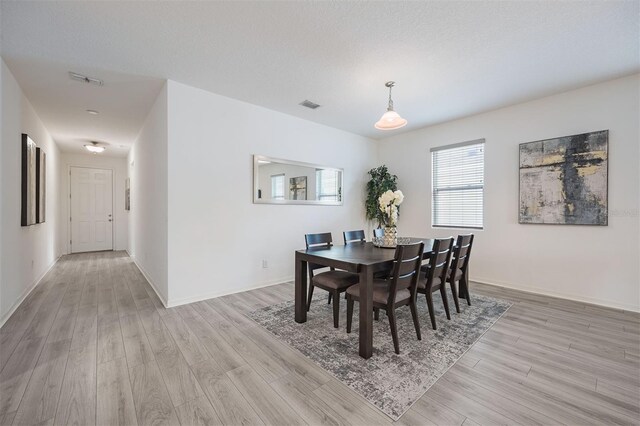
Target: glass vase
column 390, row 238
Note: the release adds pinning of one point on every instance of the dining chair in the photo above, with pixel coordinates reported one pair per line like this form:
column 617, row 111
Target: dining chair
column 435, row 276
column 459, row 269
column 335, row 282
column 399, row 290
column 353, row 237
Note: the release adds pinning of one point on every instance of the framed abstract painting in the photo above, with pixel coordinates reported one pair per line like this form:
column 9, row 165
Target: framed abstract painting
column 28, row 182
column 564, row 181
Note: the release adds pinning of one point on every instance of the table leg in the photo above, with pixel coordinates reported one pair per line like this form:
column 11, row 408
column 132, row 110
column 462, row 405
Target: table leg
column 301, row 290
column 366, row 312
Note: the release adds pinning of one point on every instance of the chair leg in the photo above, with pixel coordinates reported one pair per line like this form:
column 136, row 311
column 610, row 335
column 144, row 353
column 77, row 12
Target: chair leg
column 455, row 296
column 310, row 296
column 376, row 314
column 349, row 313
column 463, row 281
column 416, row 321
column 394, row 330
column 431, row 312
column 329, row 301
column 336, row 309
column 445, row 301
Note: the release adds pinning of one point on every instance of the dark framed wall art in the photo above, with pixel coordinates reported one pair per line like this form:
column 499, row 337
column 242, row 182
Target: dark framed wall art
column 28, row 184
column 33, row 183
column 564, row 181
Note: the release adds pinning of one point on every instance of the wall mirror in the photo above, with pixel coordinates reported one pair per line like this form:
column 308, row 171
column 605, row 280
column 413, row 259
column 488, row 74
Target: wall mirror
column 278, row 181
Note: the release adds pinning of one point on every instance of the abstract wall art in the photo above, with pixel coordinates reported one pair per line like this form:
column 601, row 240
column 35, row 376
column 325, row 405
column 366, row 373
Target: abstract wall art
column 298, row 188
column 127, row 194
column 28, row 184
column 41, row 185
column 565, row 180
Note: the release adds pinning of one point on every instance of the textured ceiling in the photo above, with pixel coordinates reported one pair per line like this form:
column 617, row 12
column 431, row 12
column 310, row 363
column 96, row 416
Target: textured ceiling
column 449, row 59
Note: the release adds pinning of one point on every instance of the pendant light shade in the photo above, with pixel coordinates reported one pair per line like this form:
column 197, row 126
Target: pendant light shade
column 390, row 120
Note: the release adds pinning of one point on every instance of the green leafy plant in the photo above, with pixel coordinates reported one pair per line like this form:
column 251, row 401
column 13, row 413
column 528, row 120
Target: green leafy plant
column 380, row 182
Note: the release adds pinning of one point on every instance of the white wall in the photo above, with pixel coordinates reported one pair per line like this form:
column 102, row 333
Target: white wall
column 147, row 163
column 27, row 252
column 120, row 172
column 587, row 263
column 217, row 237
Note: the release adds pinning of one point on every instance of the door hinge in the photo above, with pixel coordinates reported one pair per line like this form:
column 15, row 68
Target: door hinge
column 69, row 219
column 69, row 241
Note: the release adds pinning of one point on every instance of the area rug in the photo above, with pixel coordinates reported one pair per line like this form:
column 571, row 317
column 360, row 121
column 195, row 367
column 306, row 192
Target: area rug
column 390, row 382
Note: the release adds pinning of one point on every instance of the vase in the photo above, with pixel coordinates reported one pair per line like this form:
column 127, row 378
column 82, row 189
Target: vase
column 390, row 238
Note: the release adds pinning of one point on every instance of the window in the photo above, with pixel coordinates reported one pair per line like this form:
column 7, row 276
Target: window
column 458, row 185
column 328, row 185
column 277, row 187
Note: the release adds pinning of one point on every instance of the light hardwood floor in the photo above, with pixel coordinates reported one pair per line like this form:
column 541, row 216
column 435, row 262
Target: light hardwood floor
column 92, row 344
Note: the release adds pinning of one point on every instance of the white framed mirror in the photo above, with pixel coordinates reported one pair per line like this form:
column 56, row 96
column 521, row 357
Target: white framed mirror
column 278, row 181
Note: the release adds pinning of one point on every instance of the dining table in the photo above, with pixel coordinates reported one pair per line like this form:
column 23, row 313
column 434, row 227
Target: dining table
column 362, row 258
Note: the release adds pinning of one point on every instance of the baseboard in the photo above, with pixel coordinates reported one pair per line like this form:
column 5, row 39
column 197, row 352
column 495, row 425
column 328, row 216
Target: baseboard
column 149, row 280
column 564, row 296
column 26, row 293
column 213, row 295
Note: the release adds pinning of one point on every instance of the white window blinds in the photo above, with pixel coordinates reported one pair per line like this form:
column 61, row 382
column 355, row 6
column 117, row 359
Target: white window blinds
column 458, row 185
column 277, row 187
column 327, row 185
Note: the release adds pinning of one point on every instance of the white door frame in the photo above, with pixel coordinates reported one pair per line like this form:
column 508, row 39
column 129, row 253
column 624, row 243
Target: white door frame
column 113, row 204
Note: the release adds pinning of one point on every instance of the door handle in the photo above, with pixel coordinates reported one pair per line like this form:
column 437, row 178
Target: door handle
column 109, row 220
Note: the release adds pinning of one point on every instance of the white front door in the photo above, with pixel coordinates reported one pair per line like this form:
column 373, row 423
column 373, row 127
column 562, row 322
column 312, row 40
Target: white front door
column 91, row 209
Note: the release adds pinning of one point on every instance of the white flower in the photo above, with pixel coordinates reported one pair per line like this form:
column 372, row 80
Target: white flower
column 388, row 203
column 399, row 197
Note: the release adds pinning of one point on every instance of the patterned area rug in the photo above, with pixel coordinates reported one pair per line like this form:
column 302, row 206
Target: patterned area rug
column 390, row 382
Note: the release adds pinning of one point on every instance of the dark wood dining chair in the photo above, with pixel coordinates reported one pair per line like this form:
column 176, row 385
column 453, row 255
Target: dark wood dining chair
column 433, row 276
column 459, row 269
column 335, row 282
column 353, row 237
column 399, row 290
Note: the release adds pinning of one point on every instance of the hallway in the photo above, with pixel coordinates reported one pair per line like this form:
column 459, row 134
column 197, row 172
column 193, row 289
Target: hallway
column 93, row 345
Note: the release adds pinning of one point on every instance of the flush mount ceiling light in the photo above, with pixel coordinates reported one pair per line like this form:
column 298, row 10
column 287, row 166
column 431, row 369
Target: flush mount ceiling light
column 92, row 112
column 84, row 79
column 390, row 120
column 94, row 147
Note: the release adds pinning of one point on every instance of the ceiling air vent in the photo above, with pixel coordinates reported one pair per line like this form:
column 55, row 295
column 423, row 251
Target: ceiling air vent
column 84, row 79
column 309, row 104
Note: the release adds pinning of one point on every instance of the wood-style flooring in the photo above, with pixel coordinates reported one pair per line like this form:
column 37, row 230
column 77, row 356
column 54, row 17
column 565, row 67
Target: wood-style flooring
column 92, row 344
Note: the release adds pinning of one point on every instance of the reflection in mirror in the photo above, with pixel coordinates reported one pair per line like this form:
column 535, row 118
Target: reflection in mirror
column 277, row 181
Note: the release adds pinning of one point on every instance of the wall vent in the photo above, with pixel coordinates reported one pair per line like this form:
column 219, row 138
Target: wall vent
column 309, row 104
column 84, row 79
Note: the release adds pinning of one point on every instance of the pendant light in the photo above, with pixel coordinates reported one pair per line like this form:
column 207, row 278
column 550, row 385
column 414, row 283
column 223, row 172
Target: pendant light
column 390, row 120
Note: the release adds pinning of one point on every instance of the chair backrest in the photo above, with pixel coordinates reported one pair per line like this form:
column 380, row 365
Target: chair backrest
column 439, row 261
column 317, row 241
column 378, row 233
column 462, row 252
column 406, row 268
column 354, row 236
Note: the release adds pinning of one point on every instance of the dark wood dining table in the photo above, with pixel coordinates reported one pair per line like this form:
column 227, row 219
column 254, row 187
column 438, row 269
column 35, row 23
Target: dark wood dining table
column 363, row 259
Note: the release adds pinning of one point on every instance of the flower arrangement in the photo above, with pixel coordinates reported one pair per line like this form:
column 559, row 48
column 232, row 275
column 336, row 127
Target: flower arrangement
column 388, row 203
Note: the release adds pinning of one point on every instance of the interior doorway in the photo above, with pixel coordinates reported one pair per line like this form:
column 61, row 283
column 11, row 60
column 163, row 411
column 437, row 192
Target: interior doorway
column 91, row 209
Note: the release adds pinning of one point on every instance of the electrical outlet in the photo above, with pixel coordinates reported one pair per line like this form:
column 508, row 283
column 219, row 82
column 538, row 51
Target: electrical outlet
column 265, row 264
